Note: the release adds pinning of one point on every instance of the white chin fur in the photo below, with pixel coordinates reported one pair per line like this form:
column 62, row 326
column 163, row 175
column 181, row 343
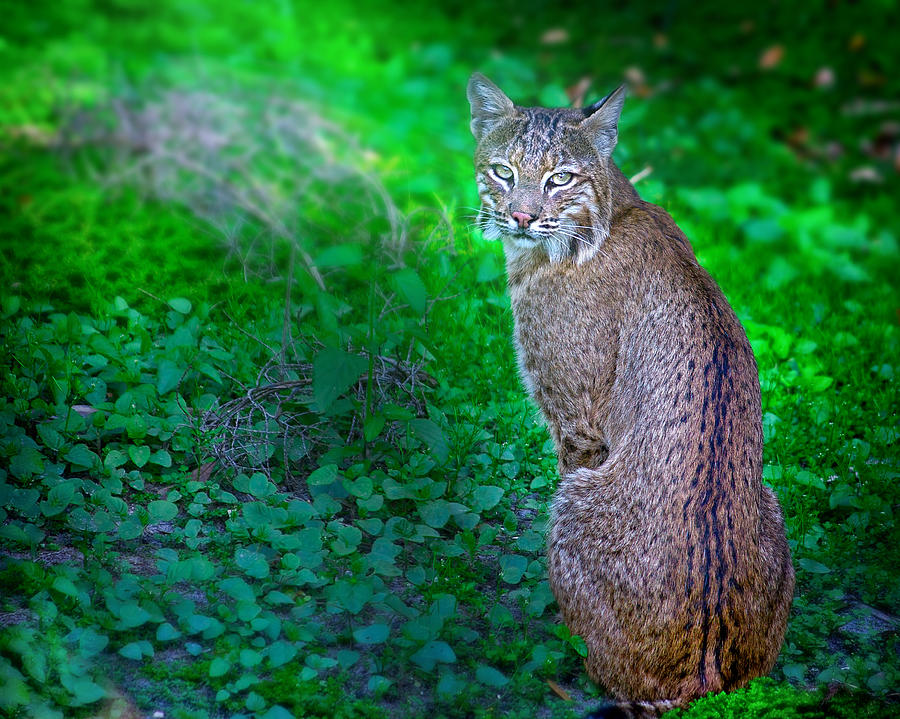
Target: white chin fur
column 491, row 232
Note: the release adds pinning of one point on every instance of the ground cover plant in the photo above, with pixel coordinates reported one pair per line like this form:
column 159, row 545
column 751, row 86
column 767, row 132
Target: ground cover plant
column 264, row 449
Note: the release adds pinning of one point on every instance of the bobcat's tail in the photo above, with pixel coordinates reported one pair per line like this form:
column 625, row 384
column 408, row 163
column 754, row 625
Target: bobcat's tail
column 634, row 710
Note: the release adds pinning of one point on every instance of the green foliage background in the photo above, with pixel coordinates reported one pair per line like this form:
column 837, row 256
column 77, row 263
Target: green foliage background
column 384, row 557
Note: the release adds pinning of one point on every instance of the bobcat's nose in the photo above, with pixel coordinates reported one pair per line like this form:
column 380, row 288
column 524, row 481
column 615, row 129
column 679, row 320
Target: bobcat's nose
column 523, row 218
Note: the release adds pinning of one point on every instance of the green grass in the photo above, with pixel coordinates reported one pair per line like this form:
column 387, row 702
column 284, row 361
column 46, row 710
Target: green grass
column 393, row 564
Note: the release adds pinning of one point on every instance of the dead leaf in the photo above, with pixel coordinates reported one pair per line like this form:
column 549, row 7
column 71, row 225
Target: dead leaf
column 85, row 410
column 799, row 137
column 203, row 472
column 857, row 42
column 660, row 41
column 555, row 36
column 771, row 57
column 824, row 77
column 884, row 145
column 634, row 179
column 871, row 78
column 559, row 691
column 865, row 173
column 637, row 82
column 576, row 92
column 635, row 75
column 35, row 134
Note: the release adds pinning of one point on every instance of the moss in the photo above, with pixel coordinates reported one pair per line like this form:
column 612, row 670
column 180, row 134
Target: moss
column 766, row 698
column 322, row 698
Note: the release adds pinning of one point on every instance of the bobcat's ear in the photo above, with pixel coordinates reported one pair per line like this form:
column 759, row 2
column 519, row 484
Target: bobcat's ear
column 489, row 105
column 602, row 122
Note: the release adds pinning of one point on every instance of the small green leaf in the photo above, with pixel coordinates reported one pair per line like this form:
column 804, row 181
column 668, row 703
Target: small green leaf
column 249, row 658
column 579, row 645
column 132, row 615
column 162, row 510
column 168, row 375
column 10, row 305
column 334, row 372
column 50, row 437
column 486, row 497
column 411, row 289
column 91, row 642
column 490, row 676
column 353, row 596
column 373, row 426
column 165, row 632
column 281, row 652
column 137, row 650
column 818, row 383
column 513, row 567
column 811, row 565
column 347, row 658
column 345, row 255
column 350, row 535
column 431, row 435
column 252, row 562
column 180, row 305
column 435, row 514
column 255, row 702
column 58, row 498
column 450, row 685
column 361, row 488
column 81, row 457
column 65, row 586
column 136, row 427
column 139, row 455
column 219, row 667
column 530, row 541
column 378, row 684
column 808, row 479
column 323, row 476
column 161, row 458
column 277, row 712
column 26, row 463
column 82, row 689
column 372, row 634
column 198, row 623
column 432, row 653
column 259, row 485
column 115, row 458
column 131, row 528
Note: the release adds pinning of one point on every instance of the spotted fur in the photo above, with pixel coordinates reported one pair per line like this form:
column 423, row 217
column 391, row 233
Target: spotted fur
column 666, row 552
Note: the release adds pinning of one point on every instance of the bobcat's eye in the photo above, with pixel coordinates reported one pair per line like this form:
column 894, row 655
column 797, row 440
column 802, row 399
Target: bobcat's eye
column 502, row 171
column 560, row 179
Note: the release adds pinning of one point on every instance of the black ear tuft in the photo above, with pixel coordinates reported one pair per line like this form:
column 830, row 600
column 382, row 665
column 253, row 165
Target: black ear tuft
column 591, row 109
column 601, row 121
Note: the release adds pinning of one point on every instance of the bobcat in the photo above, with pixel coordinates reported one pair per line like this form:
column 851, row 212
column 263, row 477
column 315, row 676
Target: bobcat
column 666, row 552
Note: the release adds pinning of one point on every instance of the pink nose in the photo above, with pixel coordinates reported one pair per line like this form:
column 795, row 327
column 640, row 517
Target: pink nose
column 523, row 218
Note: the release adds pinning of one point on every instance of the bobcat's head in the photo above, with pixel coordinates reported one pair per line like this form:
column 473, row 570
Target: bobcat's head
column 543, row 174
